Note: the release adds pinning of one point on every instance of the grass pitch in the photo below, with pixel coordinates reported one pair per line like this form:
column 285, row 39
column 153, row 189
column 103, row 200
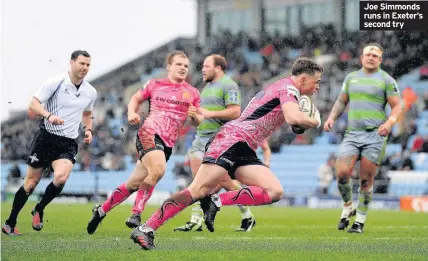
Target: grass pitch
column 280, row 234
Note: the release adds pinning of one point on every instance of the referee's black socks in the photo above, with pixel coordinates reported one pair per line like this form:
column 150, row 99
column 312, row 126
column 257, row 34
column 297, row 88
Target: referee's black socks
column 21, row 197
column 51, row 192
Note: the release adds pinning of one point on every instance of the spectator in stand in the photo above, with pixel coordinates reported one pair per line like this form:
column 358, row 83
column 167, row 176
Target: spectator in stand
column 14, row 177
column 424, row 148
column 426, row 100
column 407, row 163
column 326, row 174
column 417, row 143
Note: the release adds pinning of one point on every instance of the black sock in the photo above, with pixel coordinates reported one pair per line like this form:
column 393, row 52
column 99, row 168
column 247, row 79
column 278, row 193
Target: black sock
column 51, row 192
column 21, row 197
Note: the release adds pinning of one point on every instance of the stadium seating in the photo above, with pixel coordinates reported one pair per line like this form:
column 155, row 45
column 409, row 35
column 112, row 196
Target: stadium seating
column 412, row 79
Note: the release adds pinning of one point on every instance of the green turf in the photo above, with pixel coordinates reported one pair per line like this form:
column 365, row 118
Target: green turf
column 280, row 234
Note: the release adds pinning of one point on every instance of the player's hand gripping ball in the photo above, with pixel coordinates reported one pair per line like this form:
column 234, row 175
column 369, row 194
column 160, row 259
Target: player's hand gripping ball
column 307, row 106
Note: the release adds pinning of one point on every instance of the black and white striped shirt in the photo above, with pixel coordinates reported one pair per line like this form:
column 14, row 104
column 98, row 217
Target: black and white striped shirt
column 62, row 98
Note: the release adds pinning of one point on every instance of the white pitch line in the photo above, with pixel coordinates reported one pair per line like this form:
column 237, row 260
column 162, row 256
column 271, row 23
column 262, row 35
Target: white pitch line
column 296, row 238
column 329, row 226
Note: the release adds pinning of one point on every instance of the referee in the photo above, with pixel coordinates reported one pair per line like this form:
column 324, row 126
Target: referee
column 64, row 102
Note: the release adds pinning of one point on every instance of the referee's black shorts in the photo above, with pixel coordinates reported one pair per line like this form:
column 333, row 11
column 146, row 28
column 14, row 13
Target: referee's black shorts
column 47, row 147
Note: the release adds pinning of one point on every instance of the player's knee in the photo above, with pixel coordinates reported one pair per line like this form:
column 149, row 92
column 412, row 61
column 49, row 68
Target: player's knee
column 343, row 179
column 156, row 171
column 198, row 190
column 365, row 184
column 153, row 179
column 276, row 193
column 343, row 170
column 197, row 193
column 132, row 185
column 345, row 173
column 229, row 185
column 30, row 185
column 60, row 178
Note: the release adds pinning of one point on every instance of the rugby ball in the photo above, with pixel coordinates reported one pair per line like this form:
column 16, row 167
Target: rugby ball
column 307, row 106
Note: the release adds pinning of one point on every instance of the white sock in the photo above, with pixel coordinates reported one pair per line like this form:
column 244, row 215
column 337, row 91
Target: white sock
column 196, row 213
column 245, row 212
column 145, row 228
column 216, row 199
column 346, row 211
column 101, row 212
column 361, row 218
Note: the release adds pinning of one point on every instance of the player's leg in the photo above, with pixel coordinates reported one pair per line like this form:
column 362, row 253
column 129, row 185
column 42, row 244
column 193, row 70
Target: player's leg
column 141, row 198
column 32, row 178
column 117, row 196
column 62, row 169
column 372, row 156
column 216, row 164
column 145, row 143
column 345, row 163
column 209, row 175
column 195, row 157
column 247, row 219
column 263, row 187
column 368, row 171
column 154, row 155
column 155, row 164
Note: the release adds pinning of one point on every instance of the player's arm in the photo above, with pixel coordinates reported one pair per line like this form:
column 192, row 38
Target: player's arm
column 267, row 153
column 196, row 117
column 135, row 102
column 339, row 106
column 195, row 112
column 230, row 113
column 397, row 107
column 295, row 117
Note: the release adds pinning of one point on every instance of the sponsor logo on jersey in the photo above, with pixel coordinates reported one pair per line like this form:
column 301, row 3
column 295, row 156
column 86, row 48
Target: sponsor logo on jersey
column 161, row 99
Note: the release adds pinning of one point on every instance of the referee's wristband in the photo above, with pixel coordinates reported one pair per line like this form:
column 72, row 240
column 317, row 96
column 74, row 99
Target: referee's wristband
column 50, row 114
column 89, row 130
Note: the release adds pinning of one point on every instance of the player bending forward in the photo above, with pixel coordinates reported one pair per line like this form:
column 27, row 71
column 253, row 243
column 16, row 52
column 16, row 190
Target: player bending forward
column 220, row 103
column 232, row 152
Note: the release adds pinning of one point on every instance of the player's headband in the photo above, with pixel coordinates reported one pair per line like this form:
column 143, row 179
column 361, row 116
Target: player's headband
column 373, row 50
